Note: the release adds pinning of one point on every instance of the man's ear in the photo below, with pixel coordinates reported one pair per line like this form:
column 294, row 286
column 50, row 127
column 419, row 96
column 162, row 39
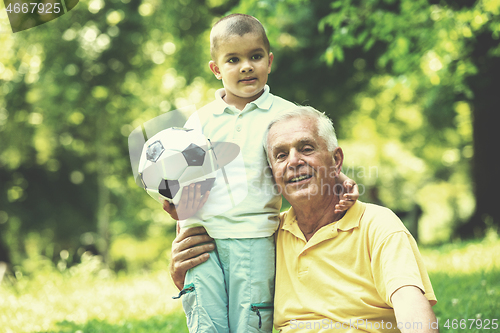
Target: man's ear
column 338, row 158
column 215, row 69
column 271, row 58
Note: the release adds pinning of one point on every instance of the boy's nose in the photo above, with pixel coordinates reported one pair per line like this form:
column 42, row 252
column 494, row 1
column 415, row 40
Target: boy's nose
column 246, row 67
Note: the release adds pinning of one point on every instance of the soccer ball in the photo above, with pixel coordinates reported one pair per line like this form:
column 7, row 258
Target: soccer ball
column 174, row 158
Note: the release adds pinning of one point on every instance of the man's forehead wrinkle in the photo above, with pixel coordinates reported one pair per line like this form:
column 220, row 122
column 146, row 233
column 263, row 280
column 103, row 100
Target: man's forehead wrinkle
column 300, row 141
column 277, row 147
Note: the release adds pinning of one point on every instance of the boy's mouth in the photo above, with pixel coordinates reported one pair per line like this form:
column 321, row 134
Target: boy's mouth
column 248, row 80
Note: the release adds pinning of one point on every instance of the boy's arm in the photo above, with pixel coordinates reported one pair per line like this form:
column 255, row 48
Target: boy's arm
column 350, row 193
column 191, row 201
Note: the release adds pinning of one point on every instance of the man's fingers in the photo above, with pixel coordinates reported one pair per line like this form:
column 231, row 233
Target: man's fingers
column 194, row 252
column 193, row 241
column 186, row 265
column 186, row 232
column 179, row 268
column 190, row 237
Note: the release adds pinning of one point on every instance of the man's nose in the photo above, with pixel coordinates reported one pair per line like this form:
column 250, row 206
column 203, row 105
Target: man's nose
column 295, row 158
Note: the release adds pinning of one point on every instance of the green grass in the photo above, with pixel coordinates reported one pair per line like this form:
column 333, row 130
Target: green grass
column 89, row 298
column 466, row 279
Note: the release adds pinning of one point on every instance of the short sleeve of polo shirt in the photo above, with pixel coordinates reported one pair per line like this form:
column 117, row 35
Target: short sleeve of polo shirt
column 396, row 262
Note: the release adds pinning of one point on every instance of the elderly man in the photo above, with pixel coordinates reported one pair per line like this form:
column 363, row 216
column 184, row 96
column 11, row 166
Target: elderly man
column 353, row 271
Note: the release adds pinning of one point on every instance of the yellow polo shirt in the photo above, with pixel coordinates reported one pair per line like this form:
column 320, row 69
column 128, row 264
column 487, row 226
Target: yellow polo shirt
column 343, row 277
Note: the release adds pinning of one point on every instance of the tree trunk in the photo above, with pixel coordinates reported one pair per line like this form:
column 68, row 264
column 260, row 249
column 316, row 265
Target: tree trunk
column 486, row 88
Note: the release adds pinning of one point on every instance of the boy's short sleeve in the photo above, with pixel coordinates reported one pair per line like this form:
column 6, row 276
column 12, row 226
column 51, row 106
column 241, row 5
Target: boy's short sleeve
column 194, row 122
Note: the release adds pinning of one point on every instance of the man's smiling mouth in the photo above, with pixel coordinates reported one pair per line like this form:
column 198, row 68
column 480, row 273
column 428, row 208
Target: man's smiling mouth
column 299, row 178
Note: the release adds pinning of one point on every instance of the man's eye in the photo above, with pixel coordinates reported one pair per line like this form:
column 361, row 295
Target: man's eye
column 308, row 149
column 280, row 156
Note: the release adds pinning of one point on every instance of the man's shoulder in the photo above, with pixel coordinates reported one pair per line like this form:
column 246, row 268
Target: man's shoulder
column 378, row 210
column 381, row 219
column 378, row 223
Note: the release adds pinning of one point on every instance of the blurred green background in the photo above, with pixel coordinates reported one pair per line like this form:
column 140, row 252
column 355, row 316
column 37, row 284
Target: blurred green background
column 411, row 85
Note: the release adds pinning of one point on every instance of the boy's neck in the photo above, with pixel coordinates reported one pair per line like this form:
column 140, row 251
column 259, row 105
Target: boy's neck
column 239, row 102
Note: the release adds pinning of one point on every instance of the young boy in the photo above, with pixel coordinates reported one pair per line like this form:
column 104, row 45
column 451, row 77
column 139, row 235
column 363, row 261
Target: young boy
column 233, row 291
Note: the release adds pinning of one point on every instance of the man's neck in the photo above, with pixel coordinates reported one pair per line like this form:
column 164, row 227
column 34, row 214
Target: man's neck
column 312, row 215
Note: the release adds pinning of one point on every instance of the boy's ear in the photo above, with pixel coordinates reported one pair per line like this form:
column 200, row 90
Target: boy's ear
column 215, row 69
column 271, row 58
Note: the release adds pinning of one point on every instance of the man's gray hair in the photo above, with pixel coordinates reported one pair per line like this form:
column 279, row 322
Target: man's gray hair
column 324, row 125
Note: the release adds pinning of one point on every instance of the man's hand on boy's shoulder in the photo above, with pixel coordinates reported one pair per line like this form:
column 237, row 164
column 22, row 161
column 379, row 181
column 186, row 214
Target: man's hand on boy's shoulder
column 191, row 201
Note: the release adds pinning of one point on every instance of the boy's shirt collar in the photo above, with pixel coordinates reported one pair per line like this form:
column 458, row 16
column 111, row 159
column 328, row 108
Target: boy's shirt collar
column 264, row 101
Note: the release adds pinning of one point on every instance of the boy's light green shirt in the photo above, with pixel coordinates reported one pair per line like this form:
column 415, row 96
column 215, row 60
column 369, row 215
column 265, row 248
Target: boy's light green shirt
column 246, row 205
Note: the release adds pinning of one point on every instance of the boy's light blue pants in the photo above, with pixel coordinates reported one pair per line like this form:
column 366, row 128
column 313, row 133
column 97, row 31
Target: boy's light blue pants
column 234, row 290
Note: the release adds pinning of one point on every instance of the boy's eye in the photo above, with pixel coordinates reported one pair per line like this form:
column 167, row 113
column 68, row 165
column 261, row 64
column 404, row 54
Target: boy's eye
column 233, row 60
column 257, row 57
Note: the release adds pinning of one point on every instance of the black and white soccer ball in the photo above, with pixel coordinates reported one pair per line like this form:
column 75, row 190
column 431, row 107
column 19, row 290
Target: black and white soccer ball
column 175, row 158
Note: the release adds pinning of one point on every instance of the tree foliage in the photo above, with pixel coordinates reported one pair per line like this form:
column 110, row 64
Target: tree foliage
column 400, row 77
column 408, row 83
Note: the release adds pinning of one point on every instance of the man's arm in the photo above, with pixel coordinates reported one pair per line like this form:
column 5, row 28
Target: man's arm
column 411, row 306
column 188, row 253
